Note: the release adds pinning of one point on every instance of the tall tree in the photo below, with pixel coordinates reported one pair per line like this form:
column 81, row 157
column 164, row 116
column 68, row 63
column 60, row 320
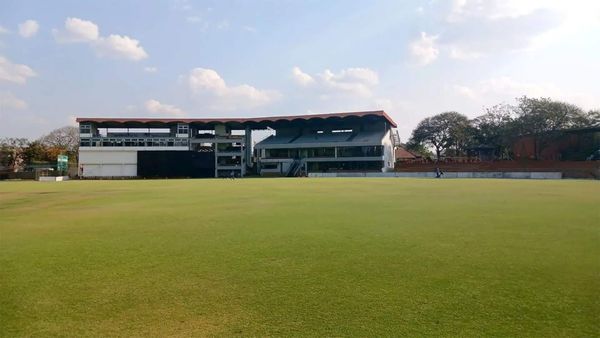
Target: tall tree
column 444, row 132
column 495, row 129
column 62, row 140
column 544, row 119
column 542, row 115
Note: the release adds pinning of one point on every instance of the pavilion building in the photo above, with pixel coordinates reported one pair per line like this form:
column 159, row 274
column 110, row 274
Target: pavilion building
column 212, row 147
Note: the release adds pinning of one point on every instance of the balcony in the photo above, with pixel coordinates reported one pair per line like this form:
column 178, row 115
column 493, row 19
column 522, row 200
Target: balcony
column 113, row 141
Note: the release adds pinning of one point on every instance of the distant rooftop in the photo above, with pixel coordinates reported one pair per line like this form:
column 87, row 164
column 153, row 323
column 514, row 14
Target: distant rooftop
column 256, row 122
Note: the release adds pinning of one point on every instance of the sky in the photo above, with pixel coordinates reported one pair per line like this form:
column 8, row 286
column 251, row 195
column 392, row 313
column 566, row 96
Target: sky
column 183, row 58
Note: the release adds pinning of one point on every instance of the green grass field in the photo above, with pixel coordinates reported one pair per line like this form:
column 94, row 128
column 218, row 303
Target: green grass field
column 300, row 257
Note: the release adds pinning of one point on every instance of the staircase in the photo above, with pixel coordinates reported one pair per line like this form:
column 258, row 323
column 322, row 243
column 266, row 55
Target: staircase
column 295, row 168
column 395, row 138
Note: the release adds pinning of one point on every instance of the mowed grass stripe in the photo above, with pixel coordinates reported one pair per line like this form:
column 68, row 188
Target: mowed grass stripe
column 300, row 257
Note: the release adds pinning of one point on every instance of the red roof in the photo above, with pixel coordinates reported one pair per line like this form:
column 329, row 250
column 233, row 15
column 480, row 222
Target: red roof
column 404, row 153
column 266, row 119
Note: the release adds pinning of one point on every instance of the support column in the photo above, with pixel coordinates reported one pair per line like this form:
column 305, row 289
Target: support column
column 248, row 147
column 216, row 158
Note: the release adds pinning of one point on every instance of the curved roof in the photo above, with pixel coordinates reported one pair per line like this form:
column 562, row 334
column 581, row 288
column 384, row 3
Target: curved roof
column 250, row 121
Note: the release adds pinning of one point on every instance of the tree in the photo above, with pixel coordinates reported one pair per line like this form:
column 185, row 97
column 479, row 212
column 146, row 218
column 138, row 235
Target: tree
column 543, row 115
column 11, row 153
column 494, row 129
column 545, row 118
column 444, row 132
column 36, row 152
column 62, row 140
column 419, row 148
column 592, row 118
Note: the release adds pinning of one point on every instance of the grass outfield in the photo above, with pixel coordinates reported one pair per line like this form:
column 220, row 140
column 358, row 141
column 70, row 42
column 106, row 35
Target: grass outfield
column 300, row 257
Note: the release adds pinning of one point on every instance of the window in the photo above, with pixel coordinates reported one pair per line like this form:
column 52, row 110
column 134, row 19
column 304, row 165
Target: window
column 367, row 151
column 278, row 153
column 182, row 128
column 320, row 152
column 85, row 128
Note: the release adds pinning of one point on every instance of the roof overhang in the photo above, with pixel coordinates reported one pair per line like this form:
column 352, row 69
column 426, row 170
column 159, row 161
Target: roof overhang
column 251, row 122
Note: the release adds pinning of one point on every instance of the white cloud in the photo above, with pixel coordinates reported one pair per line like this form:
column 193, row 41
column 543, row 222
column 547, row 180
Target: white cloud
column 11, row 102
column 150, row 69
column 201, row 79
column 358, row 81
column 4, row 30
column 301, row 78
column 208, row 86
column 504, row 88
column 113, row 46
column 424, row 49
column 120, row 47
column 28, row 28
column 364, row 76
column 483, row 35
column 157, row 108
column 477, row 28
column 13, row 72
column 462, row 10
column 354, row 81
column 77, row 30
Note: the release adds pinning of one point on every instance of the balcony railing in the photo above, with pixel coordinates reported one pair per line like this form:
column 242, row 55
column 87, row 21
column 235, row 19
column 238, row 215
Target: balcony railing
column 133, row 142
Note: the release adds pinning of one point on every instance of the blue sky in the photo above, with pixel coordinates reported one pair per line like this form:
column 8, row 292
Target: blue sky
column 62, row 59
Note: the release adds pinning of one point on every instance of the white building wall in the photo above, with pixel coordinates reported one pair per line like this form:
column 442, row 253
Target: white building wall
column 388, row 151
column 107, row 163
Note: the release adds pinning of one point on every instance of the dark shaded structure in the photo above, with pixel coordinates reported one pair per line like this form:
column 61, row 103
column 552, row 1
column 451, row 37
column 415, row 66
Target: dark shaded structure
column 161, row 164
column 564, row 145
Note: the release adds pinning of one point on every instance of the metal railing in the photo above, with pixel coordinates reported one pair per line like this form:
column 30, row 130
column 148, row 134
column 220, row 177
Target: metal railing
column 133, row 142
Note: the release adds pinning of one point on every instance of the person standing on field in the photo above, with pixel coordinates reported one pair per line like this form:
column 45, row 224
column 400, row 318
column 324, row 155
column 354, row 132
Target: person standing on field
column 438, row 173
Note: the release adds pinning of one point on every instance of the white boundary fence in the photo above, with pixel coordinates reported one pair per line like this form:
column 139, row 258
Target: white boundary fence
column 465, row 174
column 53, row 178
